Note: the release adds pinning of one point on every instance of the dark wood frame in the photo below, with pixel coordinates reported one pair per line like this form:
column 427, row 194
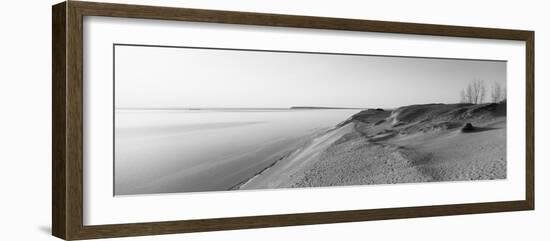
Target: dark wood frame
column 67, row 123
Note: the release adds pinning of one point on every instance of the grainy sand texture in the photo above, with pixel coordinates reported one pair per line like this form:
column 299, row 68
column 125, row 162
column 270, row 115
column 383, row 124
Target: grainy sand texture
column 417, row 143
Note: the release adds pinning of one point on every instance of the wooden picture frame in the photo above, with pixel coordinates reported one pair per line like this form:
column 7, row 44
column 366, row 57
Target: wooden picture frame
column 67, row 123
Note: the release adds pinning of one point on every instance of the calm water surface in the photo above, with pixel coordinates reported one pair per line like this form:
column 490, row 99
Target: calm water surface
column 166, row 151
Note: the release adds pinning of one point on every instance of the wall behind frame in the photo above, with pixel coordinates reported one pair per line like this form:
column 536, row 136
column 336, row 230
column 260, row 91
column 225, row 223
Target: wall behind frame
column 25, row 123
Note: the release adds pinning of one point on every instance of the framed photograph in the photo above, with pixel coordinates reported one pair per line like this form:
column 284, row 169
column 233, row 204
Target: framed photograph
column 171, row 120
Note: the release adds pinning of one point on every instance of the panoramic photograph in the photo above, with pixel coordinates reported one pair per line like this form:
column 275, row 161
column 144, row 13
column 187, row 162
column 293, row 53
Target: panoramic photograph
column 190, row 119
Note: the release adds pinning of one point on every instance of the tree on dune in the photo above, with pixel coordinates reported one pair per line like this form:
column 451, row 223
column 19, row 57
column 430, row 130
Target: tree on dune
column 474, row 93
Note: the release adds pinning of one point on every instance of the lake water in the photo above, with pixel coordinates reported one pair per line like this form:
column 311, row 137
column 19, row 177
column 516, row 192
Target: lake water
column 166, row 151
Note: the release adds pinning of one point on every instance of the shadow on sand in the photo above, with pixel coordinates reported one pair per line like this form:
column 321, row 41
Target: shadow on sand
column 479, row 129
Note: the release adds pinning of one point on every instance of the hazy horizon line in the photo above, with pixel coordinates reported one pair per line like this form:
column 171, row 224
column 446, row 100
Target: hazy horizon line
column 280, row 108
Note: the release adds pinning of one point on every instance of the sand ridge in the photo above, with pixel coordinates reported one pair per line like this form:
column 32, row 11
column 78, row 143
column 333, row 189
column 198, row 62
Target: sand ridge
column 419, row 143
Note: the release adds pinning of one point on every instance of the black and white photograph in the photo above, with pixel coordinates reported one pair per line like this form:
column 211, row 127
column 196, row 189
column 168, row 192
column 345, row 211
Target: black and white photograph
column 192, row 119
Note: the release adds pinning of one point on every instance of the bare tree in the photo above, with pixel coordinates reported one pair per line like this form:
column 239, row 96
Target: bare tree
column 474, row 93
column 481, row 91
column 498, row 92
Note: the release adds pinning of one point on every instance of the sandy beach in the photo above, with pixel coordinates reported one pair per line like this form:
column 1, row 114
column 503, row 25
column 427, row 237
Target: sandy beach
column 417, row 143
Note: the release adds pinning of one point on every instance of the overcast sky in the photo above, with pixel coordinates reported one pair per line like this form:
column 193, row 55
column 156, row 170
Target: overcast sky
column 158, row 77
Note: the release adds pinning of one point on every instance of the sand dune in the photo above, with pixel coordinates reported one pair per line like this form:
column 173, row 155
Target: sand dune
column 419, row 143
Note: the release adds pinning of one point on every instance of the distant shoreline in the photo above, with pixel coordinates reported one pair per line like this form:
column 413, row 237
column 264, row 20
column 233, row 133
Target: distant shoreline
column 323, row 108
